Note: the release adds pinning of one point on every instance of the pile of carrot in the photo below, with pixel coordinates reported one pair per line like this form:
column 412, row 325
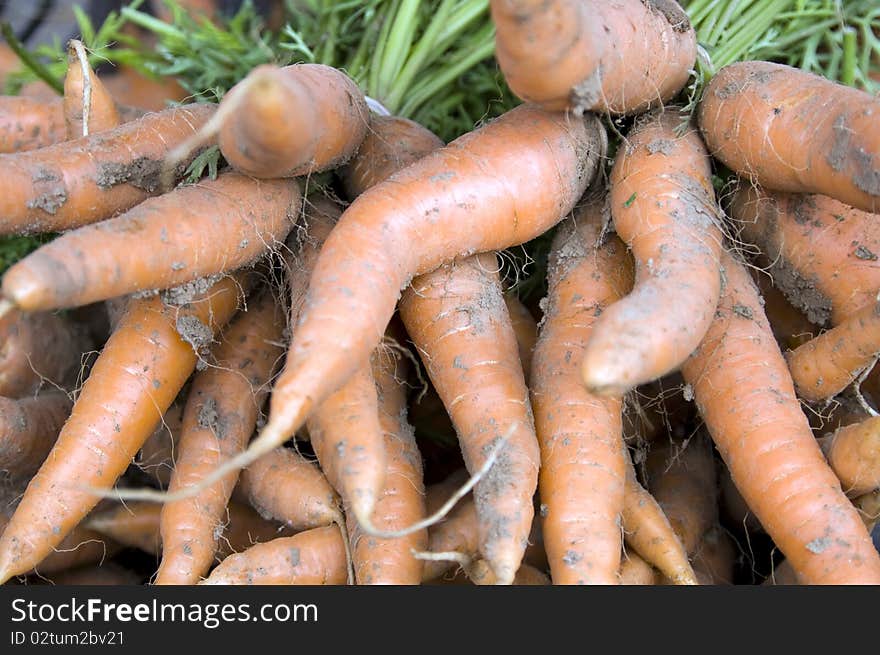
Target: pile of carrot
column 336, row 382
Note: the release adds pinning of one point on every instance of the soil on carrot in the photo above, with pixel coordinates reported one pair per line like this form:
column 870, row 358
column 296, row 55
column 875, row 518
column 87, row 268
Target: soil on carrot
column 672, row 11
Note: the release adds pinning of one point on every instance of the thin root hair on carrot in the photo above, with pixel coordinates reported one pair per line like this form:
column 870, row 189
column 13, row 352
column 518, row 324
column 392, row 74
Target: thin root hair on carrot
column 80, row 50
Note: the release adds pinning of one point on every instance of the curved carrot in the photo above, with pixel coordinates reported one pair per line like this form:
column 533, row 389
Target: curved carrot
column 401, row 503
column 582, row 452
column 191, row 232
column 823, row 367
column 30, row 123
column 752, row 111
column 648, row 532
column 39, row 350
column 292, row 120
column 663, row 206
column 137, row 376
column 314, row 557
column 683, row 482
column 746, row 397
column 88, row 106
column 853, row 451
column 822, row 254
column 457, row 318
column 92, row 178
column 221, row 413
column 501, row 184
column 525, row 327
column 28, row 429
column 620, row 57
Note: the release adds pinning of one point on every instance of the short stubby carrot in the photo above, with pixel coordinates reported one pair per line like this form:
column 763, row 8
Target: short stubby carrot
column 28, row 429
column 401, row 503
column 192, row 232
column 500, row 185
column 746, row 397
column 292, row 120
column 663, row 207
column 823, row 367
column 313, row 557
column 620, row 57
column 88, row 105
column 853, row 451
column 89, row 179
column 224, row 403
column 457, row 318
column 30, row 123
column 792, row 130
column 581, row 483
column 40, row 350
column 821, row 254
column 140, row 371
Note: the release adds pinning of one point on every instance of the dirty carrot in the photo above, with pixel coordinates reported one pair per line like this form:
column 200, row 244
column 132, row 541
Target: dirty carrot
column 792, row 130
column 746, row 397
column 28, row 429
column 194, row 231
column 88, row 106
column 140, row 371
column 222, row 408
column 458, row 533
column 618, row 57
column 663, row 207
column 526, row 329
column 92, row 178
column 30, row 123
column 853, row 451
column 582, row 451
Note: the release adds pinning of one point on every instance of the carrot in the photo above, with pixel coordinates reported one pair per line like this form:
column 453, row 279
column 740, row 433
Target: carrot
column 285, row 486
column 91, row 178
column 28, row 429
column 745, row 395
column 481, row 573
column 136, row 524
column 648, row 532
column 715, row 558
column 663, row 207
column 221, row 413
column 582, row 452
column 194, row 231
column 869, row 508
column 683, row 482
column 791, row 130
column 853, row 451
column 473, row 195
column 825, row 366
column 156, row 457
column 105, row 574
column 790, row 326
column 140, row 371
column 526, row 330
column 132, row 87
column 313, row 557
column 636, row 571
column 37, row 350
column 458, row 533
column 619, row 57
column 820, row 253
column 401, row 503
column 29, row 123
column 88, row 106
column 292, row 120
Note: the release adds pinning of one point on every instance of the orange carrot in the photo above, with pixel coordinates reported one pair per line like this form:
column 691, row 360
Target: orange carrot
column 401, row 502
column 663, row 206
column 648, row 532
column 754, row 114
column 88, row 106
column 526, row 330
column 473, row 195
column 156, row 457
column 746, row 397
column 137, row 376
column 28, row 429
column 869, row 508
column 314, row 557
column 822, row 254
column 790, row 326
column 481, row 573
column 292, row 120
column 30, row 123
column 221, row 413
column 683, row 482
column 39, row 350
column 92, row 178
column 636, row 571
column 823, row 367
column 582, row 451
column 458, row 533
column 853, row 452
column 620, row 57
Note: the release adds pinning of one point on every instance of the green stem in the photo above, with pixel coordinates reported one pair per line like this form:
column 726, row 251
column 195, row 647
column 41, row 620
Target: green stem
column 28, row 60
column 397, row 49
column 378, row 53
column 848, row 74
